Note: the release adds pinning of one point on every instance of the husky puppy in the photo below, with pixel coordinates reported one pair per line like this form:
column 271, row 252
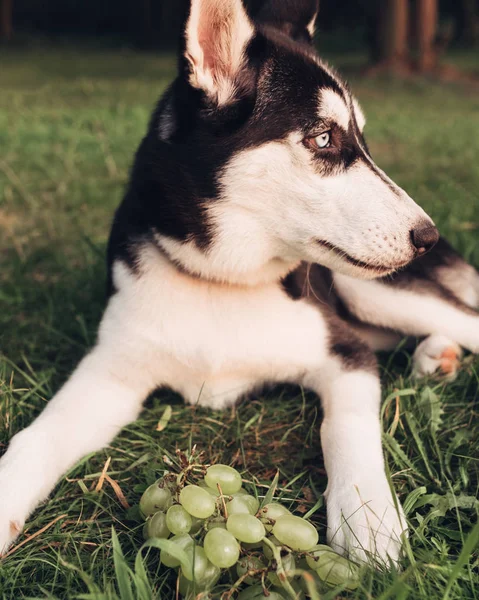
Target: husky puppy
column 257, row 243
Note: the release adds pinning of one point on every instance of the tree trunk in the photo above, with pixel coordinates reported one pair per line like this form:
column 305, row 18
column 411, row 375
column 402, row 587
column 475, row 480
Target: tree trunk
column 394, row 19
column 6, row 27
column 427, row 16
column 391, row 41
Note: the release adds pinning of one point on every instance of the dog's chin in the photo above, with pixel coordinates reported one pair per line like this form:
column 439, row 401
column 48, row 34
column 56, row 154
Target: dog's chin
column 364, row 272
column 340, row 261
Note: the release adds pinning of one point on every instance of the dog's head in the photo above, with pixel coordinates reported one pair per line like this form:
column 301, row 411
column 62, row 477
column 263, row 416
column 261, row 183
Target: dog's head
column 279, row 137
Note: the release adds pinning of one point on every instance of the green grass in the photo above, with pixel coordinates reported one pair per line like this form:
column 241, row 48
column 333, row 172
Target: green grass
column 70, row 121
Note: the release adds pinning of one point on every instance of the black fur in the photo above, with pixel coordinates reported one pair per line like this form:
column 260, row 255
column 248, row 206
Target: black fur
column 315, row 284
column 292, row 17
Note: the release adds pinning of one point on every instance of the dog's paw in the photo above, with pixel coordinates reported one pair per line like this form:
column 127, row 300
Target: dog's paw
column 366, row 523
column 437, row 354
column 10, row 529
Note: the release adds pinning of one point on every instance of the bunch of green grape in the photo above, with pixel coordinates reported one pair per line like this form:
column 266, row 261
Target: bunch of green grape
column 213, row 530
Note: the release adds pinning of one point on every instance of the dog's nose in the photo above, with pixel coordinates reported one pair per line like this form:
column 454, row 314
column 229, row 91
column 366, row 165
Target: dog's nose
column 424, row 238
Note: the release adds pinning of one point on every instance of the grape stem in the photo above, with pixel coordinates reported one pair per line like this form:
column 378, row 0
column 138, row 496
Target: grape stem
column 280, row 572
column 184, row 473
column 227, row 595
column 177, row 588
column 222, row 498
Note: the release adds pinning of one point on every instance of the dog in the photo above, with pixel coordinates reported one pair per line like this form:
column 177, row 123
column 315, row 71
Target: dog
column 259, row 243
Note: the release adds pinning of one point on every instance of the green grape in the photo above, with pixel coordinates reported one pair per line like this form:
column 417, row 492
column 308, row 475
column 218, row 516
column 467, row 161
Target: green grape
column 184, row 542
column 203, row 485
column 289, row 564
column 198, row 502
column 333, row 568
column 156, row 526
column 210, row 576
column 236, row 506
column 267, row 550
column 314, row 553
column 186, row 588
column 251, row 501
column 228, row 479
column 302, row 564
column 295, row 532
column 178, row 520
column 155, row 498
column 242, row 504
column 271, row 512
column 249, row 563
column 255, row 546
column 246, row 528
column 190, row 590
column 199, row 563
column 256, row 592
column 221, row 548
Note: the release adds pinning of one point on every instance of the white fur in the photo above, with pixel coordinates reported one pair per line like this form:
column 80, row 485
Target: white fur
column 312, row 25
column 436, row 353
column 407, row 311
column 359, row 114
column 332, row 108
column 463, row 281
column 364, row 518
column 376, row 338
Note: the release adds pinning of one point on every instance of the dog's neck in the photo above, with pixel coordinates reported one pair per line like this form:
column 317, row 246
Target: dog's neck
column 243, row 266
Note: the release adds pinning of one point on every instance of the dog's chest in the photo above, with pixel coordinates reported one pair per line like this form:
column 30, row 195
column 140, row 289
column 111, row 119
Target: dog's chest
column 217, row 341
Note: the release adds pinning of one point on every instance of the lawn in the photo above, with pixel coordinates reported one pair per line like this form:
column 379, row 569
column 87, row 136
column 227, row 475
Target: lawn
column 70, row 121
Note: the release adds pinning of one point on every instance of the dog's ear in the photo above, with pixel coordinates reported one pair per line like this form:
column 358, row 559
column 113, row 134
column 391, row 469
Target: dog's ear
column 295, row 18
column 216, row 37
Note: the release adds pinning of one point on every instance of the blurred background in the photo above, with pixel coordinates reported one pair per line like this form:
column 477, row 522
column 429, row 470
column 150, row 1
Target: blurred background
column 393, row 30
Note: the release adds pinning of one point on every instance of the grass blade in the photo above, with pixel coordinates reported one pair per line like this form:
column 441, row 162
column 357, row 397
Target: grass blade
column 121, row 569
column 471, row 544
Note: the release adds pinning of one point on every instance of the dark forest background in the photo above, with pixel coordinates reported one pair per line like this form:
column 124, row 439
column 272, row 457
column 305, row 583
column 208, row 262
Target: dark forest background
column 155, row 23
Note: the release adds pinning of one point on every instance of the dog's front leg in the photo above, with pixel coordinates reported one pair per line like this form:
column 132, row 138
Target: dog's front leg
column 365, row 519
column 103, row 394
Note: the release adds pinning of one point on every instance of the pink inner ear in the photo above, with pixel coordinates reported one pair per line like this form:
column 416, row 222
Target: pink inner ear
column 208, row 47
column 214, row 40
column 208, row 33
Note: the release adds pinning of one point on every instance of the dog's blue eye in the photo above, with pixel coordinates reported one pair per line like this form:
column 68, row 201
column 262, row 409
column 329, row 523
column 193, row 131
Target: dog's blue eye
column 323, row 140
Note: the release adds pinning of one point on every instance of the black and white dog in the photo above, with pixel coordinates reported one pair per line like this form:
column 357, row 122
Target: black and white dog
column 258, row 242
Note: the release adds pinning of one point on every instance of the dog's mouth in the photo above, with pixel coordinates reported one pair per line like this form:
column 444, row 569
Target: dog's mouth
column 378, row 270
